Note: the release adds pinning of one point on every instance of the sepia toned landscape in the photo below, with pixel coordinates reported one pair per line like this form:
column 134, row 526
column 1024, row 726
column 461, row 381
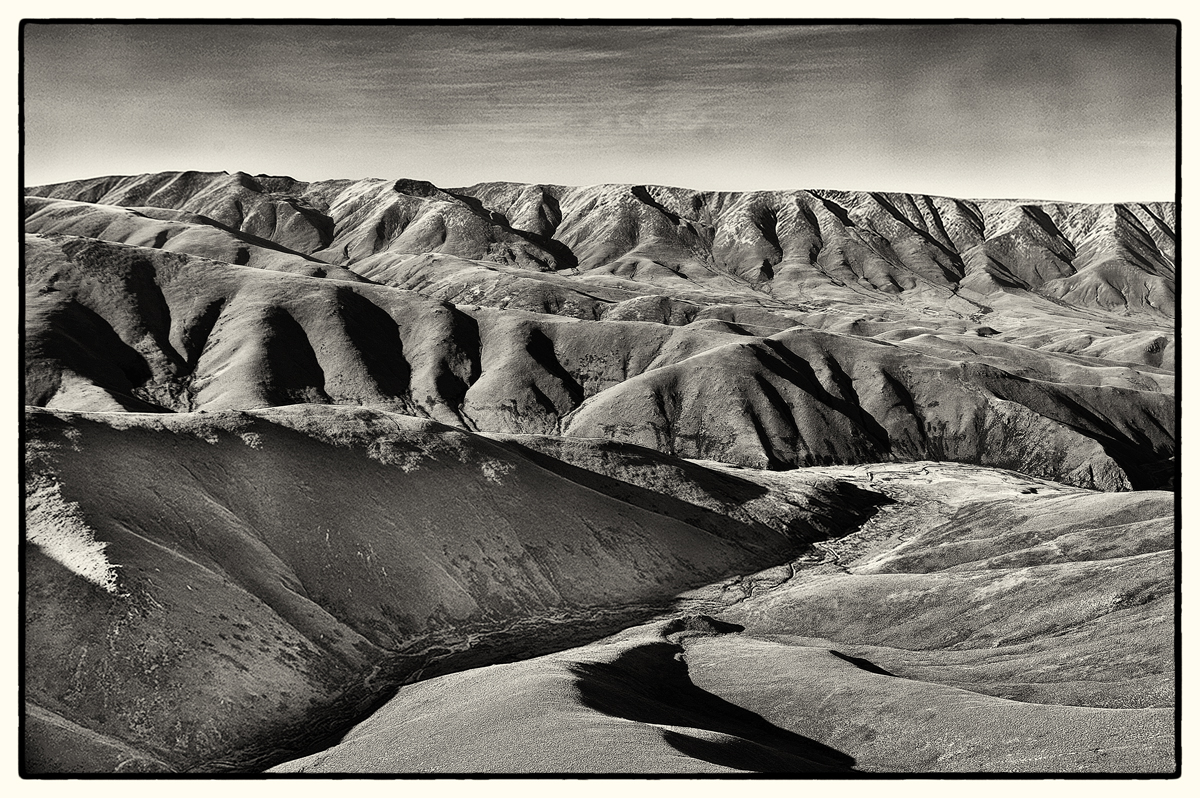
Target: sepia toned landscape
column 377, row 476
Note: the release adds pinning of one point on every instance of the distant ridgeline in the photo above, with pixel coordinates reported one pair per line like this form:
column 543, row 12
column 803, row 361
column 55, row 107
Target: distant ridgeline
column 767, row 329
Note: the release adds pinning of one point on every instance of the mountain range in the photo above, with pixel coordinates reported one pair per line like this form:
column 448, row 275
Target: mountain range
column 372, row 475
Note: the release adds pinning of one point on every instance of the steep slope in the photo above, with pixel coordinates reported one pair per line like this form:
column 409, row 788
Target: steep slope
column 114, row 326
column 823, row 399
column 172, row 231
column 200, row 586
column 929, row 254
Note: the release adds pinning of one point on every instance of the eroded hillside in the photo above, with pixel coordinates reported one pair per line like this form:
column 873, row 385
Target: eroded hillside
column 773, row 330
column 377, row 476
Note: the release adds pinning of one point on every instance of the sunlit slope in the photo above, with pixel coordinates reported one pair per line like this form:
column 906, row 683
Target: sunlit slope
column 1033, row 633
column 626, row 705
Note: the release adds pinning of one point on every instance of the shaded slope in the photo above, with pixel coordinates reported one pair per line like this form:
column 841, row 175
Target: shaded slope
column 686, row 490
column 201, row 586
column 218, row 336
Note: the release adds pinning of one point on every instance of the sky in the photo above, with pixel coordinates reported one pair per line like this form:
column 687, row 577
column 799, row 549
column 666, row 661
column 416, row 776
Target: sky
column 1044, row 111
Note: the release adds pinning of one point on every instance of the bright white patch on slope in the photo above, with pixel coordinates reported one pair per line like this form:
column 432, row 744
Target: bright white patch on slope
column 57, row 527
